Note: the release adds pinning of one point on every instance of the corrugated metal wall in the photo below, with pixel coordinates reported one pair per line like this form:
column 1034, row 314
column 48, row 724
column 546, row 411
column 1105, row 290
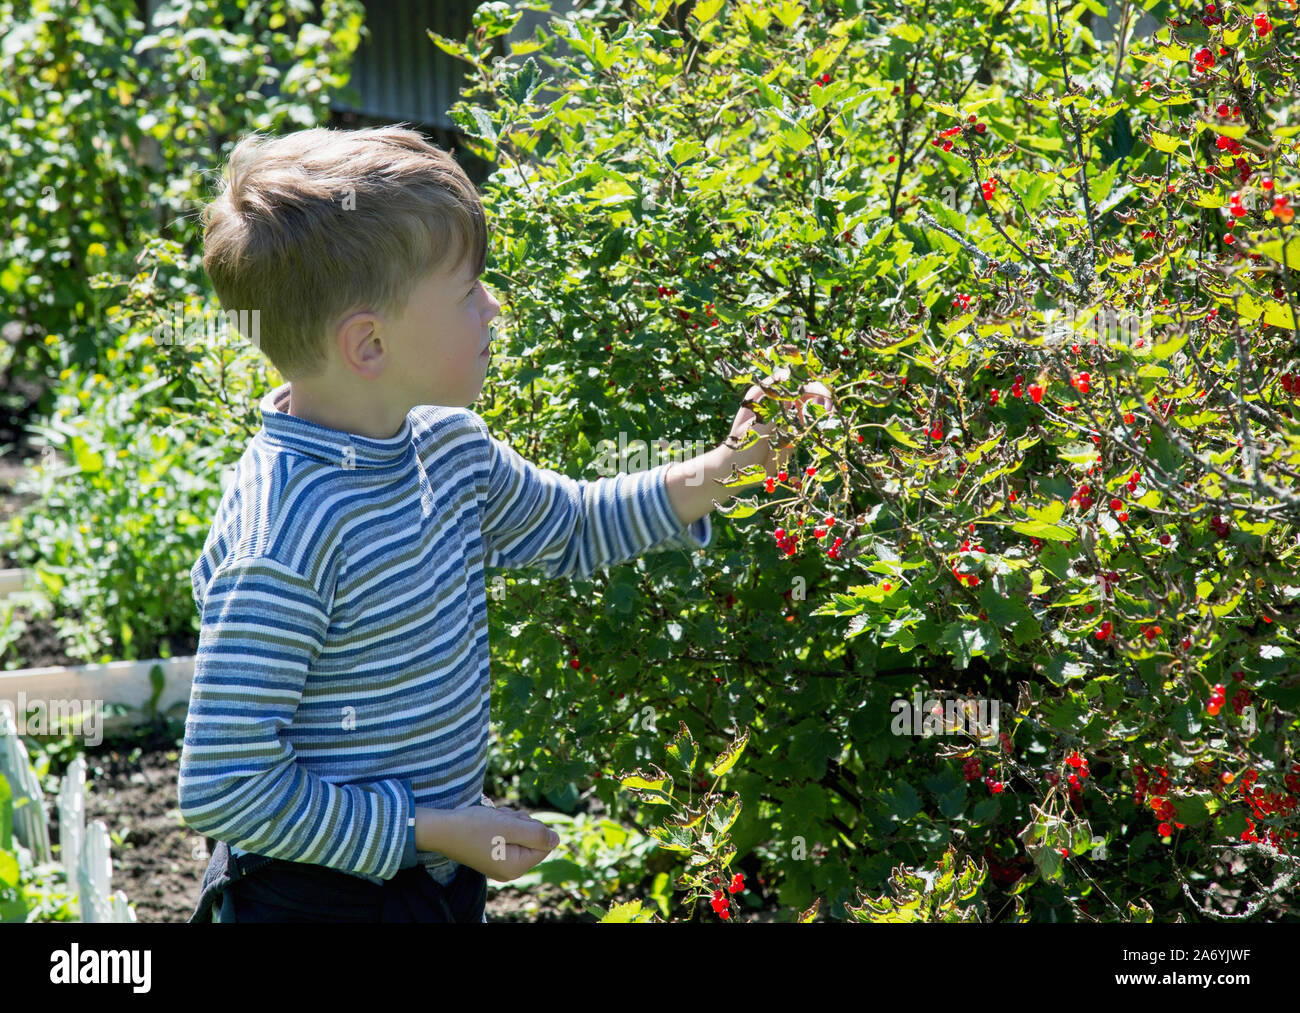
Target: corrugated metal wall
column 398, row 73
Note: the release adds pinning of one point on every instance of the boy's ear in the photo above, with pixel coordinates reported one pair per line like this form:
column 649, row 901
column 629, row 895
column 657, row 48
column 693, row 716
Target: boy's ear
column 358, row 342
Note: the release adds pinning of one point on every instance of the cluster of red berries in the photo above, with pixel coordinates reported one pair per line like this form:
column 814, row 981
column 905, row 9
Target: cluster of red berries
column 1082, row 382
column 1139, row 793
column 1204, row 60
column 1228, row 144
column 1035, row 390
column 962, row 299
column 1220, row 526
column 664, row 291
column 1160, row 787
column 1216, row 700
column 970, row 579
column 1005, row 739
column 1164, row 811
column 1262, row 25
column 941, row 139
column 989, row 187
column 1290, row 383
column 1082, row 497
column 1209, row 19
column 720, row 902
column 786, row 543
column 1226, row 113
column 1104, row 630
column 971, row 769
column 825, row 79
column 992, row 783
column 1265, row 803
column 1079, row 774
column 1234, row 206
column 1160, row 806
column 1282, row 210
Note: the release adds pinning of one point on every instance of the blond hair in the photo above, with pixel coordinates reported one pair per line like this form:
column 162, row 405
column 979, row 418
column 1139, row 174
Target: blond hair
column 319, row 223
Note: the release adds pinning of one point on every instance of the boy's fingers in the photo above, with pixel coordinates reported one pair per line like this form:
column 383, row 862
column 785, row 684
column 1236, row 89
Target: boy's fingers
column 531, row 833
column 537, row 835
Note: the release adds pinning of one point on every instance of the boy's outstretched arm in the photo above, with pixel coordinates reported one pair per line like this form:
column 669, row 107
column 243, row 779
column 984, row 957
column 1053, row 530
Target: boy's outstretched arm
column 566, row 527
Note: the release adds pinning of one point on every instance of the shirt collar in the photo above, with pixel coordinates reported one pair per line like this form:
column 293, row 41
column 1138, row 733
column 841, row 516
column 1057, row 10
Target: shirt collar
column 329, row 446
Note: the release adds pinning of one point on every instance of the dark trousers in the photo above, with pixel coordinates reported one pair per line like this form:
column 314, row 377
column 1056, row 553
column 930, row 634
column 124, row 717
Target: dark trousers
column 255, row 888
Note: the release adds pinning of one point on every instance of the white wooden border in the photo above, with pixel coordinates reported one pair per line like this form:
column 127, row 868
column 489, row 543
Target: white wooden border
column 118, row 682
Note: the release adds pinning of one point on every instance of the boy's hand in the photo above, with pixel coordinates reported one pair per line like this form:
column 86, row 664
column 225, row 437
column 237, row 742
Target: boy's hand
column 745, row 420
column 503, row 844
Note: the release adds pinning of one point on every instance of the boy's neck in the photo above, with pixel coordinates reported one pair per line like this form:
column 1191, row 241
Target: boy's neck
column 345, row 414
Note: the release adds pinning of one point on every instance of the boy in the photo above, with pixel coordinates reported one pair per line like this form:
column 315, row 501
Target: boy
column 336, row 740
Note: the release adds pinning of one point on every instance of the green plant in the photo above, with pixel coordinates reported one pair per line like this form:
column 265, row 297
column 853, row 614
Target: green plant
column 1005, row 251
column 29, row 892
column 129, row 125
column 920, row 896
column 700, row 830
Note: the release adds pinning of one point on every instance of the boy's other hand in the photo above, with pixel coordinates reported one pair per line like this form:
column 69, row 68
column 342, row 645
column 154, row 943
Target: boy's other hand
column 503, row 844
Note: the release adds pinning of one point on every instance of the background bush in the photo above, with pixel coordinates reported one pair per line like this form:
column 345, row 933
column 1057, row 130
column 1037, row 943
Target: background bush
column 827, row 169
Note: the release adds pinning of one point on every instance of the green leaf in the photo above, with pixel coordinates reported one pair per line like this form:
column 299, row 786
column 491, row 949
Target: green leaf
column 953, row 803
column 895, row 430
column 1164, row 142
column 626, row 913
column 964, row 641
column 9, row 870
column 1038, row 529
column 724, row 816
column 683, row 750
column 6, row 814
column 728, row 757
column 654, row 789
column 1287, row 252
column 1192, row 810
column 902, row 801
column 1230, row 824
column 1060, row 670
column 672, row 838
column 88, row 460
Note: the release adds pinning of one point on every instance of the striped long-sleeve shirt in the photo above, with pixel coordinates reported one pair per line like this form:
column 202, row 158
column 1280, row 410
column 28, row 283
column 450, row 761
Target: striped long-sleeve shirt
column 341, row 677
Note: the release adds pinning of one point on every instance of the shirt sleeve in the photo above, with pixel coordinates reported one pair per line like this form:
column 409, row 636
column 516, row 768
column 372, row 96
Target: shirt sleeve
column 570, row 527
column 262, row 627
